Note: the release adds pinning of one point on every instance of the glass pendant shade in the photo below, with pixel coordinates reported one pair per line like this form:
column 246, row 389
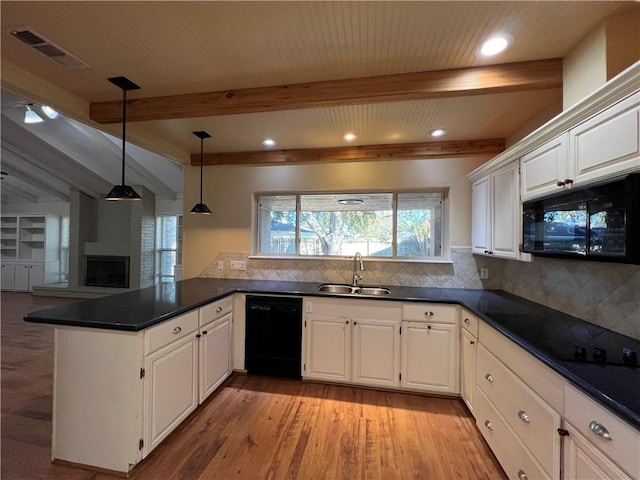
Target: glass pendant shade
column 201, row 208
column 123, row 192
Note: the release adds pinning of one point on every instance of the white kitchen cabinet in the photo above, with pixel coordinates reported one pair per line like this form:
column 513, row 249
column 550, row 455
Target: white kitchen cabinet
column 607, row 144
column 496, row 212
column 429, row 348
column 376, row 352
column 468, row 355
column 171, row 377
column 603, row 146
column 542, row 169
column 328, row 348
column 583, row 461
column 352, row 341
column 214, row 355
column 27, row 275
column 8, row 276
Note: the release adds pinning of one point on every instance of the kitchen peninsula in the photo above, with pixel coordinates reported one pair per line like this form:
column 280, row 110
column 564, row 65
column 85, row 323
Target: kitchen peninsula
column 127, row 321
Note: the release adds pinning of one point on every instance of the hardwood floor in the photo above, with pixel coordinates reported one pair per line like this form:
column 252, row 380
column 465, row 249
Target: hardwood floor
column 251, row 428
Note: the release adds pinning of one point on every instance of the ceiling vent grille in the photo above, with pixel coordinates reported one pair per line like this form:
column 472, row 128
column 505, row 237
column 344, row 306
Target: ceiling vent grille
column 44, row 46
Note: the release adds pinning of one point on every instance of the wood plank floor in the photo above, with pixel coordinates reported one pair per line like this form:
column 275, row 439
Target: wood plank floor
column 252, row 428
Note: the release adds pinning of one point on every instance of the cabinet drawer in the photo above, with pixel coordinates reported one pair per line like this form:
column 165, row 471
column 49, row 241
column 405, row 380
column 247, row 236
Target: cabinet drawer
column 530, row 417
column 623, row 446
column 469, row 322
column 215, row 310
column 514, row 457
column 430, row 312
column 170, row 331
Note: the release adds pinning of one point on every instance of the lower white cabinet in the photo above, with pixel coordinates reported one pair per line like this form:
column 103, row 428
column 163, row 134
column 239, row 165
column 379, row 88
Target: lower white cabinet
column 352, row 341
column 583, row 461
column 8, row 276
column 468, row 350
column 118, row 394
column 27, row 275
column 170, row 390
column 214, row 355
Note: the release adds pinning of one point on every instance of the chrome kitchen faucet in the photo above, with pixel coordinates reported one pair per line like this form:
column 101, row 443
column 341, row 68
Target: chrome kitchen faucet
column 357, row 258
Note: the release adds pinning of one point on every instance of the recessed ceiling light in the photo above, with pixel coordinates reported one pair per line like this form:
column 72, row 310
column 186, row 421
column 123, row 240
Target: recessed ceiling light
column 269, row 142
column 438, row 132
column 495, row 45
column 49, row 112
column 349, row 137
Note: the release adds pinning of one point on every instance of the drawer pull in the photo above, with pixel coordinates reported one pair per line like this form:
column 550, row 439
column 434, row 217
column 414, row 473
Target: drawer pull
column 488, row 424
column 176, row 330
column 524, row 416
column 489, row 377
column 600, row 430
column 522, row 475
column 428, row 313
column 466, row 320
column 218, row 310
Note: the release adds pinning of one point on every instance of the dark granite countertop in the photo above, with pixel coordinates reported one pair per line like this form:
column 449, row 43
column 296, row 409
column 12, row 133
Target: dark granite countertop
column 538, row 329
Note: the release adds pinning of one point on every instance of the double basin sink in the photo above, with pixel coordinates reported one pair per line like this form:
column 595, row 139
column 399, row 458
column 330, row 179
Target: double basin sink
column 352, row 289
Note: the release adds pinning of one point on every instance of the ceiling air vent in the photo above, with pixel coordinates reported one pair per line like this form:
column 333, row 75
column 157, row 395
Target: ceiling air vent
column 44, row 46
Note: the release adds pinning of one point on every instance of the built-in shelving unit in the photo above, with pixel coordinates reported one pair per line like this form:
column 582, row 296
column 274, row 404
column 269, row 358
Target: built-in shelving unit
column 30, row 250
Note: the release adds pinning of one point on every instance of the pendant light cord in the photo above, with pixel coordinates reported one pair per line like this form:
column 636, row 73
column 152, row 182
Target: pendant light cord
column 201, row 154
column 124, row 129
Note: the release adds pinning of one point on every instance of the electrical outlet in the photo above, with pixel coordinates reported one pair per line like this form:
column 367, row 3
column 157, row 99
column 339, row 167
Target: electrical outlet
column 220, row 264
column 484, row 273
column 238, row 265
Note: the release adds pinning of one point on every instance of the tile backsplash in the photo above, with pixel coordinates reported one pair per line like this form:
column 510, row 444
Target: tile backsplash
column 606, row 294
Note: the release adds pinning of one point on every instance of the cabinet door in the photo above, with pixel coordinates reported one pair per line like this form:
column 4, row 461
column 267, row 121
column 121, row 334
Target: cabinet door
column 607, row 144
column 376, row 353
column 542, row 168
column 468, row 370
column 22, row 277
column 583, row 461
column 170, row 390
column 328, row 343
column 36, row 275
column 480, row 216
column 430, row 357
column 215, row 355
column 505, row 211
column 8, row 276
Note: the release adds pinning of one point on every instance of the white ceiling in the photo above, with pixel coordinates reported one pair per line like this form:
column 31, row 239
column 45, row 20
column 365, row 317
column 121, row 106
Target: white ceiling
column 179, row 47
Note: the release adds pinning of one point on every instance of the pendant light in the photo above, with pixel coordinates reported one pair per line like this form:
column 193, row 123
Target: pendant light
column 201, row 207
column 123, row 192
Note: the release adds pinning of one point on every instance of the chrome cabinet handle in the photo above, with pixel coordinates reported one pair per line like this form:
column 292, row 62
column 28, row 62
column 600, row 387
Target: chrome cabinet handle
column 428, row 314
column 218, row 310
column 489, row 377
column 488, row 424
column 524, row 416
column 522, row 475
column 176, row 330
column 600, row 430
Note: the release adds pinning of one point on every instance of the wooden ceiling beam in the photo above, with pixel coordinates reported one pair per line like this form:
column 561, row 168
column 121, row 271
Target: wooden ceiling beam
column 510, row 77
column 353, row 153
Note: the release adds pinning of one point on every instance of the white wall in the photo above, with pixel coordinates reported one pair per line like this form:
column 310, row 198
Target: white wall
column 228, row 192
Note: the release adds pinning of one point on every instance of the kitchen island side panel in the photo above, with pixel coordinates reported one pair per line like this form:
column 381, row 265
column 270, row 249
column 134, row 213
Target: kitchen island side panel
column 98, row 398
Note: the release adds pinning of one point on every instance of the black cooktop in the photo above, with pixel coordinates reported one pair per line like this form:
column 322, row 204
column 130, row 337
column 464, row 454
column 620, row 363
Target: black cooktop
column 574, row 341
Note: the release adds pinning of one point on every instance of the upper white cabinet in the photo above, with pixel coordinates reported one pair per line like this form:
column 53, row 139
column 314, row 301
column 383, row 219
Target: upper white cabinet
column 496, row 212
column 606, row 145
column 542, row 169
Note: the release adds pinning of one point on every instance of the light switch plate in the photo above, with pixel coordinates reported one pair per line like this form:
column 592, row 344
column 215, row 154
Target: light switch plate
column 220, row 264
column 484, row 273
column 238, row 265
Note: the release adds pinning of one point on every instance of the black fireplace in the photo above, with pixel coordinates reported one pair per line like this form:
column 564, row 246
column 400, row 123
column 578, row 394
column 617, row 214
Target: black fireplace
column 107, row 271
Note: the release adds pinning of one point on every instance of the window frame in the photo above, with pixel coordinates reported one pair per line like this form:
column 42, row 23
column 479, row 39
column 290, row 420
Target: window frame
column 160, row 250
column 445, row 247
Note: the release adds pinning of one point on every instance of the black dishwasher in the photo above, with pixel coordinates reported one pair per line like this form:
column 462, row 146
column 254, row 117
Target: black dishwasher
column 273, row 336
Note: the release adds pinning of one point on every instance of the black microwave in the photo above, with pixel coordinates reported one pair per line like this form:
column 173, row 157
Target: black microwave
column 595, row 222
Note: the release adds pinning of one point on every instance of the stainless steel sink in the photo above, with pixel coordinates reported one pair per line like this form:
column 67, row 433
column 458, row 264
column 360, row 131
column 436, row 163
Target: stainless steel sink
column 352, row 290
